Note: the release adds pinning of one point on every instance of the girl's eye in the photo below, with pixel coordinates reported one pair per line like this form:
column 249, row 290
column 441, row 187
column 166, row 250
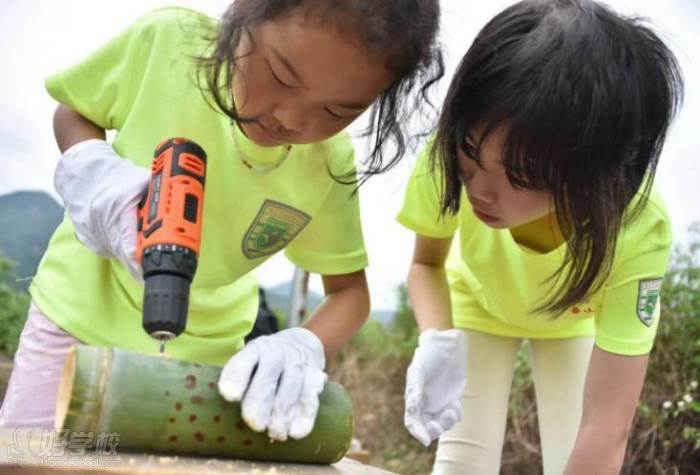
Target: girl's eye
column 468, row 149
column 277, row 79
column 471, row 152
column 337, row 116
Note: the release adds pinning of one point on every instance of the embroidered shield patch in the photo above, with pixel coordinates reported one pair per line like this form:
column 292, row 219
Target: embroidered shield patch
column 273, row 228
column 647, row 299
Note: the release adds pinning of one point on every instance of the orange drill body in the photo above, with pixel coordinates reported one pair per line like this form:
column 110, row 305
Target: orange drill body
column 169, row 235
column 172, row 210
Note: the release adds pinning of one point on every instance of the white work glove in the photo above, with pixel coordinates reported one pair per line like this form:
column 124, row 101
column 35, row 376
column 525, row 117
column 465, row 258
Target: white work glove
column 282, row 396
column 435, row 381
column 101, row 192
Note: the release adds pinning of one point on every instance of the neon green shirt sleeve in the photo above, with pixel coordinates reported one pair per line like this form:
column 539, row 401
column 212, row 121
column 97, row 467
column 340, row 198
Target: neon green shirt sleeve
column 103, row 86
column 421, row 207
column 628, row 318
column 332, row 242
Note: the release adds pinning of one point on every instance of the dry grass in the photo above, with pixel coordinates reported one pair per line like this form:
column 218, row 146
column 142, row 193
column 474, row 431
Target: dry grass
column 376, row 387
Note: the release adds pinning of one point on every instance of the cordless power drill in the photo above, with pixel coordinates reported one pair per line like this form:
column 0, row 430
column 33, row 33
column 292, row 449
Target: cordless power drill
column 169, row 234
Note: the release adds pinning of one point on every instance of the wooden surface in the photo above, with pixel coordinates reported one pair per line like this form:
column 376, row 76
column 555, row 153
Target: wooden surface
column 32, row 451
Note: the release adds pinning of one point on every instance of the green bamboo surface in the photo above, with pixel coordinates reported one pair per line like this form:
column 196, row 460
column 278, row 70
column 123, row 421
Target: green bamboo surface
column 157, row 404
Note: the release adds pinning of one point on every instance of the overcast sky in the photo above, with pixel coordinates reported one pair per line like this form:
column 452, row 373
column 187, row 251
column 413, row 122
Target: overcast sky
column 38, row 37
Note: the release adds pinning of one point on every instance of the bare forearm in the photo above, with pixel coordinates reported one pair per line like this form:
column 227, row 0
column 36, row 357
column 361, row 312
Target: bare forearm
column 339, row 317
column 71, row 128
column 429, row 295
column 613, row 386
column 597, row 451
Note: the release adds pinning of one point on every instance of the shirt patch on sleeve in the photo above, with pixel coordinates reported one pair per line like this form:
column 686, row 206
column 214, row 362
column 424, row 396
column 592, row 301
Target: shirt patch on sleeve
column 647, row 299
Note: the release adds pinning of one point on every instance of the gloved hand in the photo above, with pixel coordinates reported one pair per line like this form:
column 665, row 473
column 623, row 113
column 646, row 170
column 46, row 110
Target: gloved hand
column 101, row 192
column 294, row 358
column 435, row 381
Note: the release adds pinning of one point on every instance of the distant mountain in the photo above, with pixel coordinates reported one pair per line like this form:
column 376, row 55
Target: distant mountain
column 27, row 221
column 385, row 317
column 278, row 300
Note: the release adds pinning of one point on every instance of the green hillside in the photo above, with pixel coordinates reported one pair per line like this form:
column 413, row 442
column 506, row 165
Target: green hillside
column 27, row 221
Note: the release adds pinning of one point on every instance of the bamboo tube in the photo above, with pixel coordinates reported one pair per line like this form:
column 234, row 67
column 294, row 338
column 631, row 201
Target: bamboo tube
column 157, row 404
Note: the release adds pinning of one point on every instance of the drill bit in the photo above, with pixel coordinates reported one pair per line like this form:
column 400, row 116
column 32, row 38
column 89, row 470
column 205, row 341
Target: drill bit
column 162, row 346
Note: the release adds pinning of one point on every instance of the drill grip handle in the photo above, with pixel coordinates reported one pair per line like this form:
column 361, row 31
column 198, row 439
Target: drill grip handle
column 170, row 214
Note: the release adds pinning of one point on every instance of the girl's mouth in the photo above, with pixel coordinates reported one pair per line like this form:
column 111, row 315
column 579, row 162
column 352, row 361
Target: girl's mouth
column 267, row 131
column 486, row 218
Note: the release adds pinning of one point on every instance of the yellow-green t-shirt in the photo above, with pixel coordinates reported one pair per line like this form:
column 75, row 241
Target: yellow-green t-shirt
column 142, row 84
column 495, row 282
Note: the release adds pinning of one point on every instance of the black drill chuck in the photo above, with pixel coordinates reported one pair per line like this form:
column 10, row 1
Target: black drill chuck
column 168, row 273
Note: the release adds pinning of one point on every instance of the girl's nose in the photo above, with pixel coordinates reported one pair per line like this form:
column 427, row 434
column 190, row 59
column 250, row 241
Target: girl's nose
column 478, row 189
column 290, row 118
column 481, row 198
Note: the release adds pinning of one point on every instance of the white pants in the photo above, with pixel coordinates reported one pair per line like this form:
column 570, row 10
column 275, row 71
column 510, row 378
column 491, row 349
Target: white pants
column 559, row 368
column 30, row 400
